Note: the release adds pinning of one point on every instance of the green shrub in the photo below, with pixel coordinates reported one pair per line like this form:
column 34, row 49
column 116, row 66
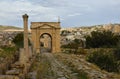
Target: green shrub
column 8, row 51
column 81, row 51
column 105, row 39
column 104, row 59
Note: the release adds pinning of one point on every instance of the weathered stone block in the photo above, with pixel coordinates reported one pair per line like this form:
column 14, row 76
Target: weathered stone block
column 8, row 77
column 13, row 72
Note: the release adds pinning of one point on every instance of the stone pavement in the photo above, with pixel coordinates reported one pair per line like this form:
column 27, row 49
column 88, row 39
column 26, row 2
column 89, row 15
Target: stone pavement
column 79, row 63
column 67, row 66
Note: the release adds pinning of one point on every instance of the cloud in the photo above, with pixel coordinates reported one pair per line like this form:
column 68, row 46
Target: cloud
column 74, row 14
column 13, row 11
column 85, row 11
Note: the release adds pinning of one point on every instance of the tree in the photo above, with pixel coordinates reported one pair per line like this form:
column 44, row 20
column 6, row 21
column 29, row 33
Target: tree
column 102, row 39
column 18, row 40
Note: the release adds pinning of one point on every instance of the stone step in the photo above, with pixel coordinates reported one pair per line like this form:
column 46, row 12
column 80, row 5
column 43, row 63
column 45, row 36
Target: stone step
column 17, row 65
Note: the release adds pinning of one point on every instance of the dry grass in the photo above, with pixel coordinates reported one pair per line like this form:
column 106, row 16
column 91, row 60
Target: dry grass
column 42, row 67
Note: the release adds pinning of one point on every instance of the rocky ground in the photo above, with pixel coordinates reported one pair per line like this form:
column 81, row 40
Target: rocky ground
column 66, row 66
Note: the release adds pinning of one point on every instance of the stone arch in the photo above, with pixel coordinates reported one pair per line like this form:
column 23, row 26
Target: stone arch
column 51, row 28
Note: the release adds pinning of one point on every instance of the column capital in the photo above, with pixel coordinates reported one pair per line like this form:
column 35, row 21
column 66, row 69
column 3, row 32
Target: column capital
column 25, row 16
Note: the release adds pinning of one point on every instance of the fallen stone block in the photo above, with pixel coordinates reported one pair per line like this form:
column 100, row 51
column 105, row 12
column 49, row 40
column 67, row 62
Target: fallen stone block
column 17, row 65
column 8, row 77
column 13, row 72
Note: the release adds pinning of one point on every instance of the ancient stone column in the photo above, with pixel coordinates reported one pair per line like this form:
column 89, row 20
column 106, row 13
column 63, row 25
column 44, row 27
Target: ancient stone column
column 25, row 23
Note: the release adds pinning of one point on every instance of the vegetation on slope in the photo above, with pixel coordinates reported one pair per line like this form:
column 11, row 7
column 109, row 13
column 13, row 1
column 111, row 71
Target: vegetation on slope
column 105, row 59
column 108, row 59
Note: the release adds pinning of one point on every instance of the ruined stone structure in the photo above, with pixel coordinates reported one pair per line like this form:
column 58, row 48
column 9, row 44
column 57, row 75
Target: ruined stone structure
column 50, row 28
column 45, row 41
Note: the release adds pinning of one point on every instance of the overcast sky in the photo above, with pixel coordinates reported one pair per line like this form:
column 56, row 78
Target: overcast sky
column 71, row 12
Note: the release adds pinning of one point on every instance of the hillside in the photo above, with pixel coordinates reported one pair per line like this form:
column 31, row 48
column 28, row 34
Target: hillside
column 111, row 27
column 3, row 27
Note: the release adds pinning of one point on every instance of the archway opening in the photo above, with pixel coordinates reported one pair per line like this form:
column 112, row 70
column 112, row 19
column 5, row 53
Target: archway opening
column 45, row 43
